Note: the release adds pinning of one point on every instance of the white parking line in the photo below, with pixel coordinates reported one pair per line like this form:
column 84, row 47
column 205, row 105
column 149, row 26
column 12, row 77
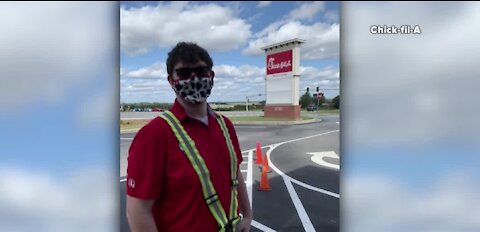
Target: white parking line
column 304, row 218
column 302, row 214
column 249, row 177
column 272, row 165
column 336, row 195
column 307, row 224
column 307, row 137
column 262, row 227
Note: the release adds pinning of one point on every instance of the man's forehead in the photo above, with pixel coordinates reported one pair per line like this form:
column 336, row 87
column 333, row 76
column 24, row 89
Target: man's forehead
column 185, row 64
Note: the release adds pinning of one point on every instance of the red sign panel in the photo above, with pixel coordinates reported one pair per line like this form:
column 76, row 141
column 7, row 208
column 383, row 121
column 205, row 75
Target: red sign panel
column 279, row 62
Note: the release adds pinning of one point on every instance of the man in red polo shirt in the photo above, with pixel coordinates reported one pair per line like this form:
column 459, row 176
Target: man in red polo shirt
column 164, row 193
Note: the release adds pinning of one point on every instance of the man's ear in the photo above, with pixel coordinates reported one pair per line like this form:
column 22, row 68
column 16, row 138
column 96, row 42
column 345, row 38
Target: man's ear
column 169, row 78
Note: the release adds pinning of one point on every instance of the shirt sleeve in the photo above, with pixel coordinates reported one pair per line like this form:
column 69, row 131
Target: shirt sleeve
column 146, row 163
column 233, row 136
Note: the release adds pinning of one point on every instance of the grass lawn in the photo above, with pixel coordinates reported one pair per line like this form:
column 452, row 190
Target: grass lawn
column 329, row 111
column 137, row 124
column 133, row 124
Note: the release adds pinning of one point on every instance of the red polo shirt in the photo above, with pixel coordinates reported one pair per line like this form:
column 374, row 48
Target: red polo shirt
column 158, row 169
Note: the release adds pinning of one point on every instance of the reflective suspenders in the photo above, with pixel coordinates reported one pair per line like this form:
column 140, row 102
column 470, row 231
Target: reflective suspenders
column 210, row 195
column 233, row 173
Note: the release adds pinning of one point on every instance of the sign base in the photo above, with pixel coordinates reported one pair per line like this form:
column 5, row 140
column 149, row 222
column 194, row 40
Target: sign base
column 291, row 112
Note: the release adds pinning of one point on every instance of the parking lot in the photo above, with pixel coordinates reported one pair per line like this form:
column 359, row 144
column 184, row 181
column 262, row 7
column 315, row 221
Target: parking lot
column 305, row 165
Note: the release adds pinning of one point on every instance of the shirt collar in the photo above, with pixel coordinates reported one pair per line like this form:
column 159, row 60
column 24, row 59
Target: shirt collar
column 178, row 110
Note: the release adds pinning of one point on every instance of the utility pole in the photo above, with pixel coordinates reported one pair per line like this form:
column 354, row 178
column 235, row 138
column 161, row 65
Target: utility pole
column 248, row 99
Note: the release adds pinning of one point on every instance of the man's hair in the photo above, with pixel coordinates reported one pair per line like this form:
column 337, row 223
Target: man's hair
column 188, row 53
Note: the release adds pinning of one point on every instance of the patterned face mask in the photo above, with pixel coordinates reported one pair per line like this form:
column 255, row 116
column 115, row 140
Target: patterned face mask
column 194, row 90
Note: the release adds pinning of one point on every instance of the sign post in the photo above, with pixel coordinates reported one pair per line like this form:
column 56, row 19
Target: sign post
column 282, row 80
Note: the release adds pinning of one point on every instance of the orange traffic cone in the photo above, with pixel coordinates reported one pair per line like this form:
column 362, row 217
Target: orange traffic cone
column 265, row 164
column 264, row 185
column 259, row 154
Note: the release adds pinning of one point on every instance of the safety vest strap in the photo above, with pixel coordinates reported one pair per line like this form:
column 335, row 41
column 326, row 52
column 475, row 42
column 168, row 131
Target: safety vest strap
column 210, row 195
column 233, row 214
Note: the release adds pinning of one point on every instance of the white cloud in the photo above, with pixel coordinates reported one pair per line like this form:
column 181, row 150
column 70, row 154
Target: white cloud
column 38, row 202
column 122, row 71
column 248, row 80
column 322, row 39
column 263, row 3
column 449, row 205
column 48, row 49
column 148, row 84
column 214, row 27
column 234, row 83
column 326, row 78
column 146, row 90
column 307, row 11
column 157, row 71
column 231, row 83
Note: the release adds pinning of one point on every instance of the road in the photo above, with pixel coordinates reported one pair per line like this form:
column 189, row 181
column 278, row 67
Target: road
column 304, row 177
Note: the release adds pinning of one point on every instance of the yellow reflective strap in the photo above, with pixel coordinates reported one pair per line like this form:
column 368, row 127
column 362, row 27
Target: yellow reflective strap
column 233, row 167
column 188, row 146
column 212, row 199
column 168, row 118
column 201, row 169
column 233, row 197
column 233, row 157
column 235, row 222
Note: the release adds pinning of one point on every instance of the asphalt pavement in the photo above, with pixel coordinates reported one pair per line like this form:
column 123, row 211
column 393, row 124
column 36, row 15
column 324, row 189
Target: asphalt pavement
column 304, row 160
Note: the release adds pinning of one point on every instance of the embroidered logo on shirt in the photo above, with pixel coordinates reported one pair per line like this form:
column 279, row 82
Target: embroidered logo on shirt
column 131, row 183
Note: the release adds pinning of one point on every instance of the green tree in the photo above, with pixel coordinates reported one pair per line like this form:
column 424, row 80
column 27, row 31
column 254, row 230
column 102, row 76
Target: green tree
column 336, row 102
column 305, row 100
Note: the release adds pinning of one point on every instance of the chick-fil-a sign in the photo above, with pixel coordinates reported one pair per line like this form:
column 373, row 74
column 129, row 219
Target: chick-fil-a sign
column 279, row 62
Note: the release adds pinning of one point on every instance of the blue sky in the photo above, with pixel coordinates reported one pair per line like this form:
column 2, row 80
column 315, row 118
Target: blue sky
column 236, row 32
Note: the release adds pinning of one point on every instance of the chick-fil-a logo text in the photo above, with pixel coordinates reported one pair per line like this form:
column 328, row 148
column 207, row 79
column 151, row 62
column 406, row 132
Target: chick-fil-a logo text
column 279, row 62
